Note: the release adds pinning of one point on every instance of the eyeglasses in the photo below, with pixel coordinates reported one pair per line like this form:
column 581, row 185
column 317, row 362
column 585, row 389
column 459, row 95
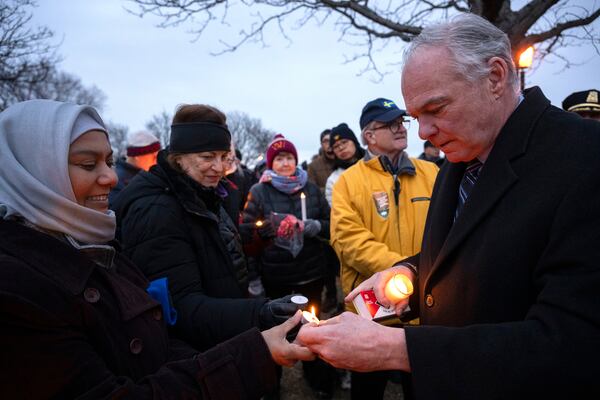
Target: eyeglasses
column 340, row 144
column 394, row 126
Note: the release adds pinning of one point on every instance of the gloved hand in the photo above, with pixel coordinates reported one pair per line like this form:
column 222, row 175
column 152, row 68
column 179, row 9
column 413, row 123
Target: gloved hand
column 312, row 227
column 255, row 288
column 275, row 312
column 266, row 231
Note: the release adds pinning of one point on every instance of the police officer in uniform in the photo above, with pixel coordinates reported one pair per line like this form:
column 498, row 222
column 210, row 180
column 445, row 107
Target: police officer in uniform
column 584, row 103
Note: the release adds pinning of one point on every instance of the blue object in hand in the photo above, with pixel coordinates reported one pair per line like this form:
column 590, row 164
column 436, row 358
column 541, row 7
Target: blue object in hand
column 159, row 291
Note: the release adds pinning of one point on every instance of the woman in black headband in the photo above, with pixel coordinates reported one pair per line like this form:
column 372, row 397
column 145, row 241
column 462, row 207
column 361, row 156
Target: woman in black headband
column 172, row 224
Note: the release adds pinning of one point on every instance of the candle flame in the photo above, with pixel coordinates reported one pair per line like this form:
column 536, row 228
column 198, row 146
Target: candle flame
column 312, row 310
column 302, row 195
column 259, row 223
column 308, row 317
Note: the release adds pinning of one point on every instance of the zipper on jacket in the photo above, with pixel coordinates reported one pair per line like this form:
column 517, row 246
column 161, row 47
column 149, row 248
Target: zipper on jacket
column 396, row 188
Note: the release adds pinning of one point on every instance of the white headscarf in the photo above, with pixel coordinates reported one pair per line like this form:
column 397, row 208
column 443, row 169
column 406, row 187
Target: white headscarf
column 35, row 137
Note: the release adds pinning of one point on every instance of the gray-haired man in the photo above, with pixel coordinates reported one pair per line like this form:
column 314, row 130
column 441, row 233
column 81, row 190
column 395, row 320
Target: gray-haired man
column 509, row 278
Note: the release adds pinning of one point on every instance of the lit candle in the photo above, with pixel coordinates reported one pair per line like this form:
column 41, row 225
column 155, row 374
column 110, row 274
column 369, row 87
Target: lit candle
column 310, row 316
column 303, row 205
column 398, row 288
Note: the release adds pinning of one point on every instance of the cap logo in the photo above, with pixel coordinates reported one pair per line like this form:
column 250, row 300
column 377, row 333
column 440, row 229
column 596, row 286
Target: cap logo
column 388, row 104
column 278, row 144
column 592, row 97
column 337, row 137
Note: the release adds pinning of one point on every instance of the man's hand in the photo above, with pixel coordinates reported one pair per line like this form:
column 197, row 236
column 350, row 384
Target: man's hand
column 378, row 281
column 283, row 352
column 352, row 342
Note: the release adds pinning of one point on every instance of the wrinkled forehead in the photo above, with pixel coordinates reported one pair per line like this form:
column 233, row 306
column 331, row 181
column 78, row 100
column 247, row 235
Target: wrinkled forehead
column 426, row 78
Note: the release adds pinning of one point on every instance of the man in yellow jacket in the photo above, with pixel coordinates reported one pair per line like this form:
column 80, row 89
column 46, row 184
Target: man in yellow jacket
column 378, row 212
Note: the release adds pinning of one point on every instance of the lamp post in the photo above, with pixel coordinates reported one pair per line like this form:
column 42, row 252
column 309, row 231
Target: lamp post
column 525, row 60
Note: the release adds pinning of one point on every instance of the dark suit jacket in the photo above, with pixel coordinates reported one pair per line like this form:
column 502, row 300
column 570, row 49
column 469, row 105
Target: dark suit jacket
column 509, row 294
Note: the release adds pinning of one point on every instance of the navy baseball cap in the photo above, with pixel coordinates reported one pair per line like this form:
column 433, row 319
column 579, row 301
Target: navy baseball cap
column 381, row 110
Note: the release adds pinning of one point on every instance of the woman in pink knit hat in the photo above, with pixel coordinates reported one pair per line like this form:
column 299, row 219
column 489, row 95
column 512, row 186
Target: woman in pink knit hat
column 276, row 269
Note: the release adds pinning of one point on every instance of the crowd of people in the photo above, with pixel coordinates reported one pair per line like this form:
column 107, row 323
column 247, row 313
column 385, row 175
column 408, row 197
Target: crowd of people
column 179, row 273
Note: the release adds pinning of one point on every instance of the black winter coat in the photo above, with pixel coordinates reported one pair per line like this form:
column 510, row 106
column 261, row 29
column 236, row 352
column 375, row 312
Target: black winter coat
column 167, row 228
column 70, row 328
column 239, row 186
column 275, row 265
column 509, row 293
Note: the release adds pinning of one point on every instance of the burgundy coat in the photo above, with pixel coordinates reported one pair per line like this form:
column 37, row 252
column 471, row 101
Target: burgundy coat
column 72, row 329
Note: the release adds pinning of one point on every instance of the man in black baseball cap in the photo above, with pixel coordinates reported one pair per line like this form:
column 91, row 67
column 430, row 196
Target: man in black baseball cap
column 584, row 103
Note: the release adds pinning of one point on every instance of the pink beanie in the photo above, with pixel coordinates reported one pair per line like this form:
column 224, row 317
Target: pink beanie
column 278, row 145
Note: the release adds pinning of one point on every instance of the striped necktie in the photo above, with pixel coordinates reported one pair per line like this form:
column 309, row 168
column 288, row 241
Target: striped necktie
column 466, row 184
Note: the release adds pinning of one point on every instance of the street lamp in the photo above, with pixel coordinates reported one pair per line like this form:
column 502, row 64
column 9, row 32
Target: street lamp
column 525, row 60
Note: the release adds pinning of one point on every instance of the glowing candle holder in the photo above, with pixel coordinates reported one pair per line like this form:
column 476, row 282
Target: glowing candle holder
column 398, row 288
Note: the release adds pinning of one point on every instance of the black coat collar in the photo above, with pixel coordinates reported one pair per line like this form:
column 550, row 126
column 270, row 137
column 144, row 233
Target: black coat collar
column 56, row 260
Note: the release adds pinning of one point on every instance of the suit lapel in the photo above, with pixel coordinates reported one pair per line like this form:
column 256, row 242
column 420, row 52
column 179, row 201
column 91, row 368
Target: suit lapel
column 493, row 182
column 496, row 178
column 441, row 212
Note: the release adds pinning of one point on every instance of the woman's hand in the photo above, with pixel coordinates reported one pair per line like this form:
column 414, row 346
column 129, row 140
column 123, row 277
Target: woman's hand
column 283, row 352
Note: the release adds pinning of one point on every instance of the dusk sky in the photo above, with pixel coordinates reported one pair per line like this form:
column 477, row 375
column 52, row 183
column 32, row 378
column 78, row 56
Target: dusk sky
column 297, row 88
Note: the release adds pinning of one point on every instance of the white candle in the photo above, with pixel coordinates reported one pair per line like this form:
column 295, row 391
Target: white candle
column 398, row 288
column 303, row 205
column 310, row 317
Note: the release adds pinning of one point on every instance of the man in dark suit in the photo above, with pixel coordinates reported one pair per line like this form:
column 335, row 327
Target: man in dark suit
column 508, row 285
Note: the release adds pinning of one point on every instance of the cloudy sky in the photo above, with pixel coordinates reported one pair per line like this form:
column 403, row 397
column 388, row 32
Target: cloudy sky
column 297, row 88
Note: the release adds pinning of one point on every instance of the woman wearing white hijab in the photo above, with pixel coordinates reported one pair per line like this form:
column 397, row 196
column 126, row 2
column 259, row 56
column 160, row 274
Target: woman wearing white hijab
column 75, row 318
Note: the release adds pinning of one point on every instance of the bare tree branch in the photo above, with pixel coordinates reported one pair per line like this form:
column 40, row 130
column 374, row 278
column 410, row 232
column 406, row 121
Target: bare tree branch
column 367, row 22
column 160, row 126
column 248, row 135
column 28, row 62
column 560, row 28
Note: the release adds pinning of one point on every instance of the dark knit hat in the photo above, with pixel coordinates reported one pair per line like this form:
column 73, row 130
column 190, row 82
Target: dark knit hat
column 279, row 145
column 142, row 142
column 325, row 132
column 342, row 131
column 196, row 137
column 428, row 144
column 587, row 100
column 381, row 110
